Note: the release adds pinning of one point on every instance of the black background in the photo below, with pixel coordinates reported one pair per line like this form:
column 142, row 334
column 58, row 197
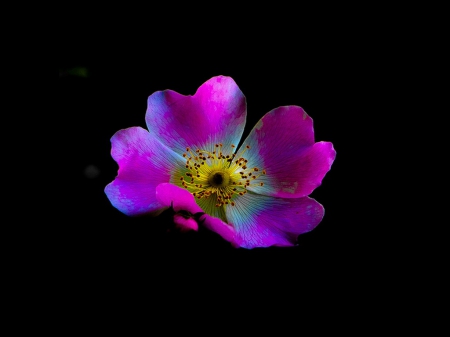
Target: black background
column 329, row 82
column 354, row 70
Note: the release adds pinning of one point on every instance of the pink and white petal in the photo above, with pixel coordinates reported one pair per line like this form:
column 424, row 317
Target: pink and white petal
column 262, row 221
column 215, row 114
column 180, row 199
column 282, row 143
column 144, row 163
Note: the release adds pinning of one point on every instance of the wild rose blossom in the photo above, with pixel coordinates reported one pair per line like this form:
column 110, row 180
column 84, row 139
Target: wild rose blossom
column 253, row 196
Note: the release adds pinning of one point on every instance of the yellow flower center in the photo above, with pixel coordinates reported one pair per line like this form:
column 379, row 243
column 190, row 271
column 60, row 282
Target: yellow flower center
column 215, row 173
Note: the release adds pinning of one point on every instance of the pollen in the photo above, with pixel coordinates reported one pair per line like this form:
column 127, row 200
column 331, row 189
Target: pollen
column 220, row 172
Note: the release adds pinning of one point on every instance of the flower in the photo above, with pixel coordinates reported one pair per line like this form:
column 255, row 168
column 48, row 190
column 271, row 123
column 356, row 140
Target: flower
column 256, row 195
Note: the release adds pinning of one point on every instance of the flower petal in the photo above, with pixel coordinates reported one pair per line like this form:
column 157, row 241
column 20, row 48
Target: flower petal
column 215, row 114
column 226, row 231
column 282, row 143
column 144, row 163
column 209, row 206
column 169, row 195
column 262, row 221
column 181, row 200
column 185, row 224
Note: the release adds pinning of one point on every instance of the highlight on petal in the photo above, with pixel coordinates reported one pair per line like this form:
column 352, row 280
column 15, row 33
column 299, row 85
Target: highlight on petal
column 215, row 114
column 262, row 221
column 184, row 223
column 144, row 163
column 282, row 143
column 169, row 195
column 182, row 203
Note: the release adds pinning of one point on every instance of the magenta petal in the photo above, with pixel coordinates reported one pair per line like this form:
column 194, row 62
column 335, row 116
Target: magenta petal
column 170, row 195
column 184, row 224
column 143, row 163
column 226, row 231
column 181, row 200
column 214, row 114
column 262, row 221
column 282, row 143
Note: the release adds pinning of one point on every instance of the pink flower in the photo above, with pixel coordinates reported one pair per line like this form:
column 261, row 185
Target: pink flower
column 253, row 196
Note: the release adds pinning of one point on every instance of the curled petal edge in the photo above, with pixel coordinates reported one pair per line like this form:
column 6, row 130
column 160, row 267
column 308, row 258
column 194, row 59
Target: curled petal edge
column 182, row 201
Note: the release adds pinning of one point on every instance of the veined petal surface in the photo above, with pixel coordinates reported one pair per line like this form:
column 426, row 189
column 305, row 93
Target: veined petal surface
column 282, row 143
column 144, row 163
column 262, row 221
column 215, row 114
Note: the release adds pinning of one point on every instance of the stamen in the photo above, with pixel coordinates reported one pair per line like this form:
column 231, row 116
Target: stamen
column 221, row 172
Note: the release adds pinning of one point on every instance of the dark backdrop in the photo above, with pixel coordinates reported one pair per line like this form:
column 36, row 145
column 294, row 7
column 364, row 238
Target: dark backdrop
column 102, row 90
column 352, row 69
